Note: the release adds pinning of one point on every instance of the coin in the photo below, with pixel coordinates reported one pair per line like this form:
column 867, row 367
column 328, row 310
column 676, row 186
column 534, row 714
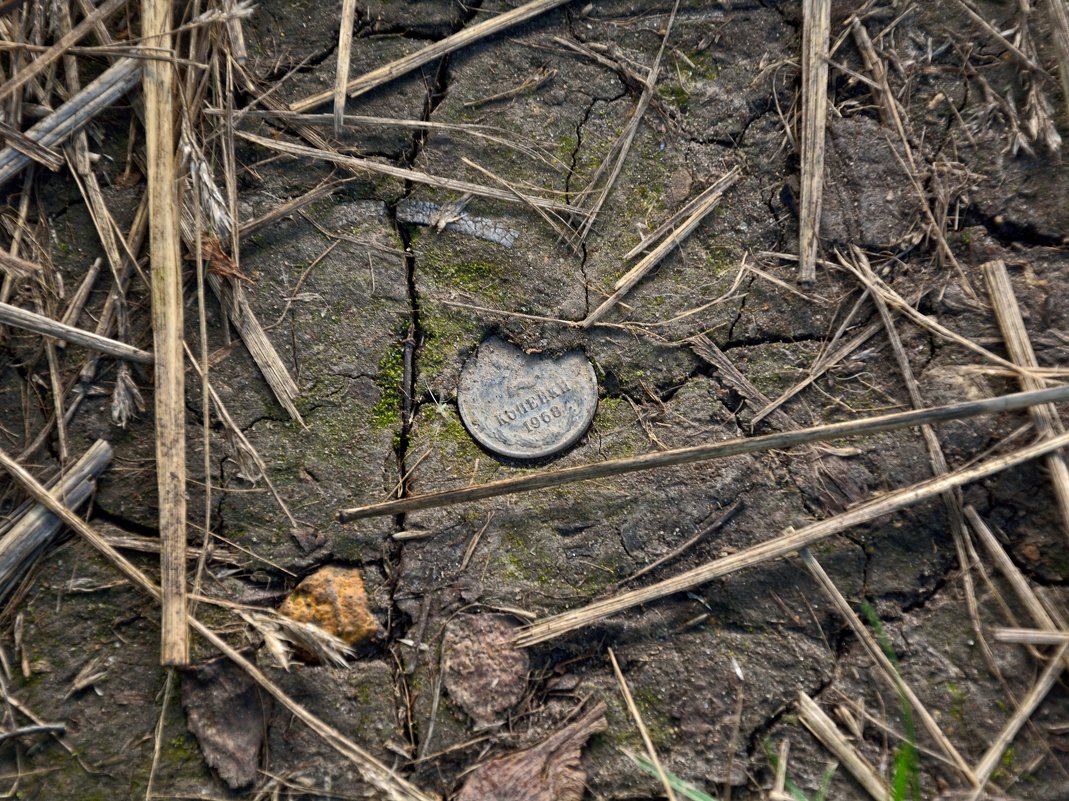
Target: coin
column 526, row 405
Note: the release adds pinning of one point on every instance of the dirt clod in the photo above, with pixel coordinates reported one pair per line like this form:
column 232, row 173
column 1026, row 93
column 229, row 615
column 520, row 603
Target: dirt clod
column 483, row 671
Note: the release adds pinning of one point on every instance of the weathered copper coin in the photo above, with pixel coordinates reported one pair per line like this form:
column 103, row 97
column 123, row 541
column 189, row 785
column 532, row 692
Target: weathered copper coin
column 526, row 405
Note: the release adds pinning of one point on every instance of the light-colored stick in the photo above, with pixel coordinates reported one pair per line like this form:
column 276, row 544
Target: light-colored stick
column 463, row 38
column 779, row 784
column 1024, row 711
column 790, row 540
column 341, row 71
column 655, row 256
column 167, row 329
column 824, row 729
column 112, row 84
column 366, row 165
column 888, row 672
column 1060, row 25
column 1031, row 636
column 41, row 324
column 715, row 450
column 672, row 221
column 46, row 59
column 374, row 772
column 1019, row 346
column 816, row 34
column 651, row 752
column 32, row 532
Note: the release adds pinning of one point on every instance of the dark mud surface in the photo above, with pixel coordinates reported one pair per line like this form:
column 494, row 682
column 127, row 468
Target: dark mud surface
column 374, row 317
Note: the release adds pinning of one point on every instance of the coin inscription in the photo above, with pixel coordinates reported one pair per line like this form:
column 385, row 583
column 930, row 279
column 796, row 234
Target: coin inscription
column 524, row 405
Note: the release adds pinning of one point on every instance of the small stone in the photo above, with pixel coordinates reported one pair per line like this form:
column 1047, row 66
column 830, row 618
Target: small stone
column 334, row 599
column 483, row 671
column 1030, row 551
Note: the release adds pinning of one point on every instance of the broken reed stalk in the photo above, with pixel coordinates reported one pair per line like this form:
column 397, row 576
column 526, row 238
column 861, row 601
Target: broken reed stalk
column 167, row 329
column 790, row 540
column 655, row 256
column 112, row 84
column 404, row 65
column 887, row 670
column 636, row 716
column 1031, row 636
column 1019, row 346
column 372, row 770
column 341, row 71
column 35, row 529
column 713, row 450
column 824, row 729
column 816, row 35
column 415, row 176
column 672, row 221
column 1028, row 705
column 1060, row 26
column 59, row 49
column 46, row 326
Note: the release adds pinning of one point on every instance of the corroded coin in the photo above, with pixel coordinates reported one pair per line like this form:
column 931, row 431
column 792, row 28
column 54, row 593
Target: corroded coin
column 523, row 405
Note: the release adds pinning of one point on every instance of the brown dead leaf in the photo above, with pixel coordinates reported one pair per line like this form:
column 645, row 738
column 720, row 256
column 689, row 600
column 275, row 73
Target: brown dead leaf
column 226, row 715
column 549, row 771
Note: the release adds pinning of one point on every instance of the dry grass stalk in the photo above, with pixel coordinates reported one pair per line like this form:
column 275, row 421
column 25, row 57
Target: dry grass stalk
column 15, row 267
column 816, row 33
column 463, row 38
column 374, row 772
column 636, row 716
column 341, row 72
column 367, row 165
column 167, row 329
column 1019, row 346
column 233, row 30
column 655, row 256
column 1060, row 27
column 790, row 540
column 35, row 529
column 59, row 49
column 1031, row 636
column 779, row 784
column 1018, row 53
column 622, row 146
column 951, row 500
column 697, row 453
column 993, row 756
column 46, row 326
column 112, row 84
column 825, row 730
column 887, row 670
column 674, row 220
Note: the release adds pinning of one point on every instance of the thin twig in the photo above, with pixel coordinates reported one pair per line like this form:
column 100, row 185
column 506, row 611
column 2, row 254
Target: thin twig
column 790, row 540
column 716, row 450
column 825, row 730
column 404, row 65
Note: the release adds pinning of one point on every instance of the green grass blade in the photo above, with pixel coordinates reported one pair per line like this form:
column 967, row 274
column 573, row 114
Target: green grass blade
column 681, row 786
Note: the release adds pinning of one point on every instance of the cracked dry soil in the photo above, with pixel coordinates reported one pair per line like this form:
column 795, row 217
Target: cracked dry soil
column 374, row 316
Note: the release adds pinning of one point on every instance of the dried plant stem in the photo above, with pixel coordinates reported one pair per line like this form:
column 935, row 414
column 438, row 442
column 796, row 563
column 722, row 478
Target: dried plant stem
column 655, row 256
column 824, row 729
column 1045, row 417
column 887, row 670
column 1060, row 24
column 816, row 33
column 373, row 771
column 167, row 329
column 790, row 540
column 463, row 38
column 1031, row 636
column 57, row 50
column 41, row 324
column 636, row 716
column 715, row 450
column 1024, row 711
column 341, row 71
column 32, row 532
column 112, row 84
column 367, row 165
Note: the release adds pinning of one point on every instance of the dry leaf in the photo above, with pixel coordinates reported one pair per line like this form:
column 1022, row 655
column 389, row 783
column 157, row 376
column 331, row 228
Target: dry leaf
column 483, row 671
